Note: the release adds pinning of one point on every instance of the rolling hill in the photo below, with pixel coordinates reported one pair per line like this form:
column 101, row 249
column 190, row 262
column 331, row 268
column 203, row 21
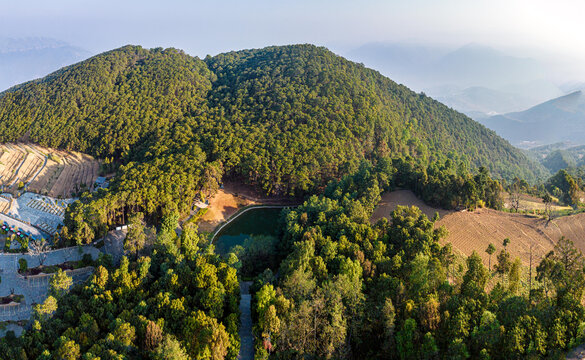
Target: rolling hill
column 470, row 231
column 287, row 118
column 291, row 120
column 558, row 120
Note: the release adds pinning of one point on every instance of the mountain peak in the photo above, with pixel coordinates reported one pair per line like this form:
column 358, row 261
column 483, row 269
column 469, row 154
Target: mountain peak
column 278, row 97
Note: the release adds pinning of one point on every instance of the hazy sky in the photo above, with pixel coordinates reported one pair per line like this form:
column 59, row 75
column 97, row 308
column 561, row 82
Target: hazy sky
column 209, row 27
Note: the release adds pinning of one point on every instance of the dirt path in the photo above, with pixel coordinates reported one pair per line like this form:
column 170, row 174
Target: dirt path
column 246, row 336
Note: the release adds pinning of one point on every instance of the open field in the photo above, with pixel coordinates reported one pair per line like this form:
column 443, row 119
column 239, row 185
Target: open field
column 530, row 203
column 475, row 230
column 46, row 171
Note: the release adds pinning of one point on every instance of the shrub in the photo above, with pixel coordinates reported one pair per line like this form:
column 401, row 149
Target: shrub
column 22, row 264
column 86, row 260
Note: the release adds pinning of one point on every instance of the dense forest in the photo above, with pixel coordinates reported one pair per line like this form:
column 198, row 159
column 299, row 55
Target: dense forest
column 286, row 119
column 349, row 289
column 295, row 121
column 179, row 301
column 331, row 286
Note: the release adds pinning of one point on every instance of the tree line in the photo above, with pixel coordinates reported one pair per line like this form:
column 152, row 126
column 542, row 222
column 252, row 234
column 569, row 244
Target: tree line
column 350, row 289
column 177, row 301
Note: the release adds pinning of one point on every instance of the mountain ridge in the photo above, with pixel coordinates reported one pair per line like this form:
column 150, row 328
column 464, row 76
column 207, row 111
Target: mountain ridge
column 26, row 59
column 557, row 120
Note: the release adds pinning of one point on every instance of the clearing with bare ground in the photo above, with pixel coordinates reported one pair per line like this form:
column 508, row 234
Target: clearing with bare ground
column 223, row 205
column 230, row 199
column 46, row 171
column 529, row 203
column 475, row 230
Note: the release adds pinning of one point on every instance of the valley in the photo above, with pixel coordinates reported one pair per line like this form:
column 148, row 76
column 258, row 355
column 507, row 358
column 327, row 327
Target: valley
column 561, row 119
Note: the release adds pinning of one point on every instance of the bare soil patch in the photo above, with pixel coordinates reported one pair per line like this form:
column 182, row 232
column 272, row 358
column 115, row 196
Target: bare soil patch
column 530, row 203
column 223, row 205
column 249, row 192
column 46, row 171
column 234, row 196
column 474, row 230
column 405, row 198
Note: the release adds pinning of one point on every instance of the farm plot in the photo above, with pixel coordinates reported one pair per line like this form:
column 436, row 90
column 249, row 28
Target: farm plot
column 470, row 231
column 46, row 171
column 4, row 205
column 31, row 167
column 530, row 203
column 474, row 231
column 13, row 160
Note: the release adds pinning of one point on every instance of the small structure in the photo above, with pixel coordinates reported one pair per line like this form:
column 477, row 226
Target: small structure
column 101, row 183
column 201, row 204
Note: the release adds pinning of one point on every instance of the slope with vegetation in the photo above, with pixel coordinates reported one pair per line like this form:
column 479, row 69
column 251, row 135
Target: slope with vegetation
column 295, row 121
column 468, row 231
column 287, row 119
column 178, row 301
column 348, row 289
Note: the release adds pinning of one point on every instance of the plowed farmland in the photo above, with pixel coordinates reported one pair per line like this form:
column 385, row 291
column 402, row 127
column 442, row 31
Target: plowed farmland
column 475, row 230
column 46, row 171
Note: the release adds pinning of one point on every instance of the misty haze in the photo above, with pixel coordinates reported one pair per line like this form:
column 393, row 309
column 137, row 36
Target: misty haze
column 292, row 180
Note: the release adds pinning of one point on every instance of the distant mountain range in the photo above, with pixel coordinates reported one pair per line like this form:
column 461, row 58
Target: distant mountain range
column 476, row 80
column 26, row 59
column 558, row 120
column 479, row 102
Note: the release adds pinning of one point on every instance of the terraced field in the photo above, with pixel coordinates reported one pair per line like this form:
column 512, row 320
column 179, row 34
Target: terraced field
column 529, row 203
column 475, row 230
column 46, row 171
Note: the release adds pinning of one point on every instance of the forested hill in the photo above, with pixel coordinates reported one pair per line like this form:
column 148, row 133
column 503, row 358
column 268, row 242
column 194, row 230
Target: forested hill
column 108, row 103
column 286, row 118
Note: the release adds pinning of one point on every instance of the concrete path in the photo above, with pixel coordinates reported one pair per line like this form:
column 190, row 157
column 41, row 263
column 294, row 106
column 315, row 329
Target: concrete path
column 17, row 329
column 114, row 245
column 9, row 262
column 17, row 224
column 35, row 288
column 246, row 336
column 577, row 354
